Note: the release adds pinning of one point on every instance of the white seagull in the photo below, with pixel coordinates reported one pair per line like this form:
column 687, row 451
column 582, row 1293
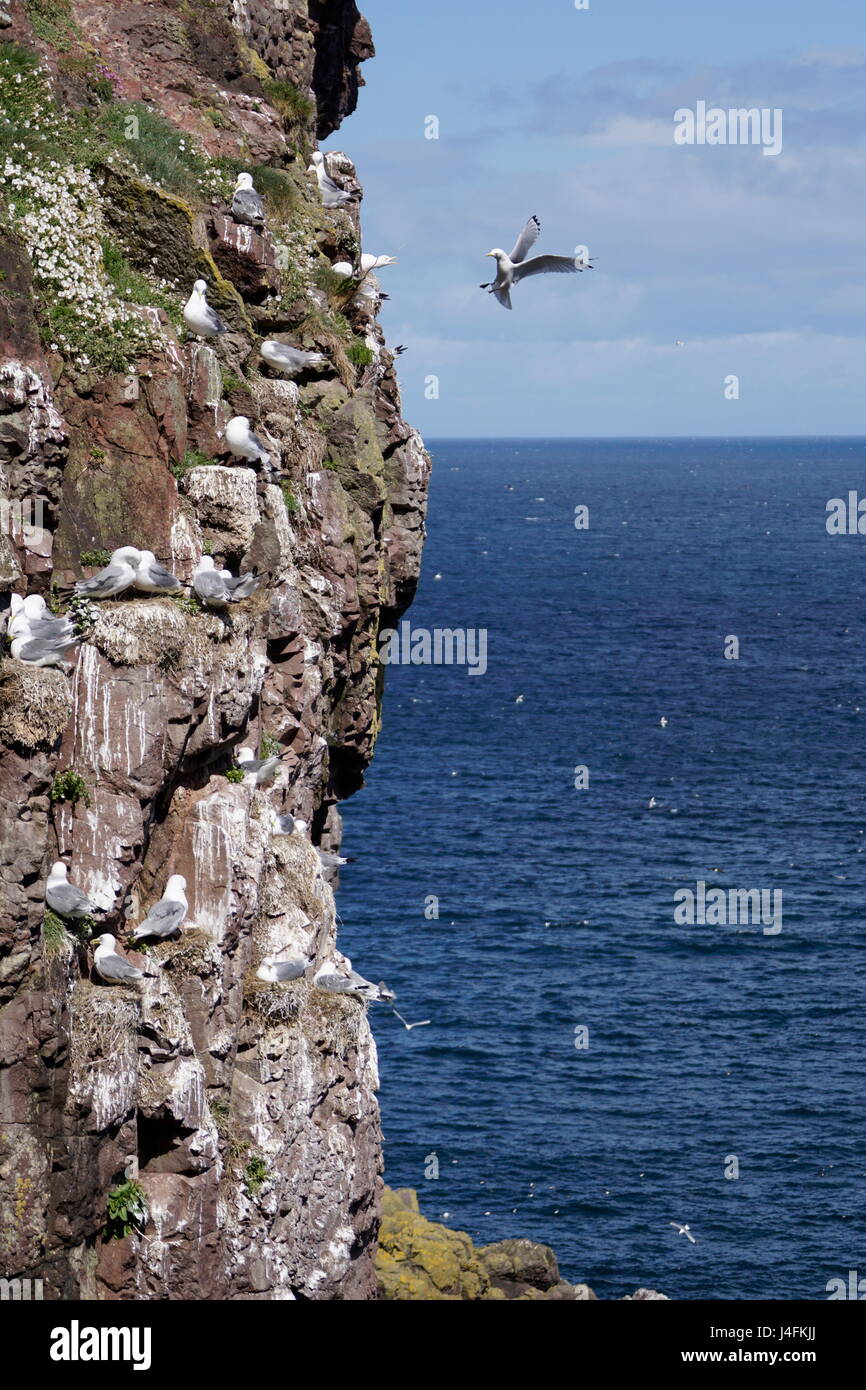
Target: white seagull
column 112, row 967
column 331, row 978
column 683, row 1231
column 333, row 196
column 369, row 263
column 153, row 578
column 280, row 972
column 168, row 915
column 260, row 770
column 199, row 316
column 243, row 443
column 514, row 268
column 64, row 898
column 290, row 360
column 247, row 205
column 117, row 576
column 34, row 650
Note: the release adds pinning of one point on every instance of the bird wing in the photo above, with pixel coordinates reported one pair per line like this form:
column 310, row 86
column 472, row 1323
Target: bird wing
column 290, row 969
column 164, row 912
column 40, row 647
column 108, row 581
column 213, row 320
column 504, row 297
column 209, row 586
column 543, row 265
column 66, row 898
column 158, row 574
column 527, row 239
column 116, row 968
column 248, row 204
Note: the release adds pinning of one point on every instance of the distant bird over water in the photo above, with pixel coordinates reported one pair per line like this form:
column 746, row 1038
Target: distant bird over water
column 683, row 1231
column 514, row 268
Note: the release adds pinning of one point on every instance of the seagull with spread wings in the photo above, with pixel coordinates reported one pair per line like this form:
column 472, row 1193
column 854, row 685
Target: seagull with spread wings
column 514, row 268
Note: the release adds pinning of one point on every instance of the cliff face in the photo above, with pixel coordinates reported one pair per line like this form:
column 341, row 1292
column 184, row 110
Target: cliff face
column 246, row 1112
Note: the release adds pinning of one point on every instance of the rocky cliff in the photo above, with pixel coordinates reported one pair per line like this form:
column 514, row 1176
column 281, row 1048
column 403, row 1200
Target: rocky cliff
column 241, row 1115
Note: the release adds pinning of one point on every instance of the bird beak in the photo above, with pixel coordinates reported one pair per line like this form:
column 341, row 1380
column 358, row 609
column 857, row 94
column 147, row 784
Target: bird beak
column 489, row 253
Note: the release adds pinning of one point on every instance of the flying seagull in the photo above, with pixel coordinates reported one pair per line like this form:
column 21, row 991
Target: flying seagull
column 514, row 268
column 333, row 196
column 153, row 578
column 244, row 444
column 683, row 1231
column 425, row 1023
column 115, row 969
column 168, row 915
column 199, row 316
column 64, row 898
column 117, row 576
column 247, row 205
column 290, row 360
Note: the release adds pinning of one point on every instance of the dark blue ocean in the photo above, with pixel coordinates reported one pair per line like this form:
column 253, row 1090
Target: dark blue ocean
column 706, row 1043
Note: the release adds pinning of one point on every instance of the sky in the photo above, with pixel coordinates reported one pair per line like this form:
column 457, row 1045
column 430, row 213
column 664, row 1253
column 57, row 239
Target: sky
column 711, row 261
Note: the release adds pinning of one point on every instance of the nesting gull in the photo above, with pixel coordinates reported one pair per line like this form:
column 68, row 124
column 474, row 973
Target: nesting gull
column 260, row 770
column 244, row 444
column 42, row 651
column 288, row 825
column 64, row 898
column 333, row 196
column 247, row 205
column 331, row 978
column 32, row 615
column 218, row 588
column 199, row 316
column 280, row 972
column 290, row 360
column 514, row 268
column 168, row 915
column 113, row 968
column 117, row 576
column 153, row 578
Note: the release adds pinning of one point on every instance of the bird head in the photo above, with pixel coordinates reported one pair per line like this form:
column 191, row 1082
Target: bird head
column 127, row 552
column 58, row 871
column 497, row 253
column 200, row 286
column 205, row 563
column 244, row 181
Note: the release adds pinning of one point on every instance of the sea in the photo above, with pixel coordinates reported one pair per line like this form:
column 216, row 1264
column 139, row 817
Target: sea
column 674, row 696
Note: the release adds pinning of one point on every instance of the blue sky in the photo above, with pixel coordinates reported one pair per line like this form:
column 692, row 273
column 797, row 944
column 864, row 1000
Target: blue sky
column 754, row 263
